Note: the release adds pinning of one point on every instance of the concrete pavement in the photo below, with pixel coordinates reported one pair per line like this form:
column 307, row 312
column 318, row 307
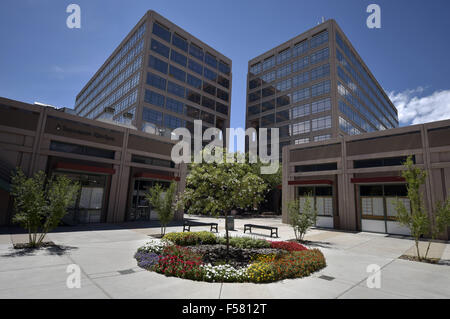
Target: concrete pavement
column 105, row 255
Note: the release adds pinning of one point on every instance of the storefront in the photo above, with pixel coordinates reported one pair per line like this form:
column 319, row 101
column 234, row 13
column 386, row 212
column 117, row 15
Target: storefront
column 114, row 165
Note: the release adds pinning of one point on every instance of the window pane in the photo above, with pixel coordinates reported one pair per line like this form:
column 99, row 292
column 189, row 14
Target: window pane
column 179, row 42
column 161, row 31
column 159, row 48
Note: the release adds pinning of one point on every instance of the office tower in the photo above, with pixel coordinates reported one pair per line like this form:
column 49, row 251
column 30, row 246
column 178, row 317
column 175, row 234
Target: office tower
column 159, row 78
column 315, row 87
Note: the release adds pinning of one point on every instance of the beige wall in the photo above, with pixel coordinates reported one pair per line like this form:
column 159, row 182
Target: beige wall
column 26, row 132
column 430, row 143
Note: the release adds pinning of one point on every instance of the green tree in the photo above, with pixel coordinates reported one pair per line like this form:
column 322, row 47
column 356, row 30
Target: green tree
column 214, row 188
column 40, row 206
column 417, row 219
column 164, row 203
column 302, row 217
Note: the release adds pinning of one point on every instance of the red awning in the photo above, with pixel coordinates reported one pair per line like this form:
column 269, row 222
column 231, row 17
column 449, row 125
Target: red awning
column 157, row 176
column 382, row 179
column 84, row 168
column 311, row 182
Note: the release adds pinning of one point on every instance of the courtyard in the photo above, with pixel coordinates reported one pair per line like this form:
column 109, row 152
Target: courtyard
column 104, row 253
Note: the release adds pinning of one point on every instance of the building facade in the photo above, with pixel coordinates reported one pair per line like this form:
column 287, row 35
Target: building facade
column 315, row 87
column 115, row 165
column 160, row 78
column 355, row 179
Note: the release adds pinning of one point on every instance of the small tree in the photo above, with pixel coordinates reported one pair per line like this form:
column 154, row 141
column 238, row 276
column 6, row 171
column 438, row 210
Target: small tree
column 163, row 201
column 302, row 220
column 214, row 188
column 40, row 206
column 417, row 219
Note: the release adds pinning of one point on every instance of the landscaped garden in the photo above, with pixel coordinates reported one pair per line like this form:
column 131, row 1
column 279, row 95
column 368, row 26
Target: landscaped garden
column 203, row 256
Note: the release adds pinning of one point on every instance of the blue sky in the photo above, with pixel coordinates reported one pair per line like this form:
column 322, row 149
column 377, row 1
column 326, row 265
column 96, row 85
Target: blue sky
column 42, row 60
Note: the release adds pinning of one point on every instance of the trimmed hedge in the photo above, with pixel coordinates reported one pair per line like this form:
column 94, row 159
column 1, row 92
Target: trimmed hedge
column 191, row 238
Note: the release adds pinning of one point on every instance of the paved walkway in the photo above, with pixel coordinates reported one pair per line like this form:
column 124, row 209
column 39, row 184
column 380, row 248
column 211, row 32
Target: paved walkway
column 105, row 255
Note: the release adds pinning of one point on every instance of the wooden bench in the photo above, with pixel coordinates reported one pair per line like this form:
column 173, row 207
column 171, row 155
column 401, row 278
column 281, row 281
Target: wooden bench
column 273, row 230
column 188, row 224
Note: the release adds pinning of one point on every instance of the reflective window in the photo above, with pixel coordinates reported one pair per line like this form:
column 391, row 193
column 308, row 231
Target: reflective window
column 300, row 95
column 254, row 96
column 161, row 31
column 194, row 81
column 211, row 75
column 173, row 122
column 222, row 108
column 300, row 48
column 319, row 39
column 196, row 67
column 284, row 71
column 196, row 51
column 207, row 102
column 300, row 128
column 321, row 123
column 154, row 98
column 222, row 95
column 300, row 111
column 210, row 60
column 268, row 63
column 193, row 96
column 320, row 72
column 193, row 112
column 284, row 85
column 208, row 88
column 284, row 132
column 320, row 88
column 302, row 141
column 207, row 117
column 179, row 42
column 268, row 91
column 178, row 58
column 159, row 48
column 321, row 106
column 300, row 64
column 282, row 116
column 283, row 56
column 300, row 79
column 322, row 137
column 283, row 100
column 254, row 83
column 158, row 65
column 319, row 56
column 174, row 105
column 156, row 81
column 254, row 109
column 177, row 73
column 268, row 105
column 223, row 81
column 268, row 77
column 224, row 68
column 175, row 89
column 151, row 116
column 268, row 120
column 256, row 68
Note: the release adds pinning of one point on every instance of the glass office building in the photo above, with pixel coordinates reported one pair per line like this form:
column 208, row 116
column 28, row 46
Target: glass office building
column 315, row 87
column 160, row 78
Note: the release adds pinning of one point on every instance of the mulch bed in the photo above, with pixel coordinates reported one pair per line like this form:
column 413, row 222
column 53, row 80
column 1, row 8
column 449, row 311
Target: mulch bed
column 415, row 258
column 44, row 244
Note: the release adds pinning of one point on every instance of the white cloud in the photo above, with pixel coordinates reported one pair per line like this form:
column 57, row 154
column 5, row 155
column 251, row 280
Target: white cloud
column 414, row 107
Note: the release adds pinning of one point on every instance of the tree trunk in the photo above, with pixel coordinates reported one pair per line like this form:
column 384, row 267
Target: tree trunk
column 226, row 235
column 417, row 248
column 428, row 248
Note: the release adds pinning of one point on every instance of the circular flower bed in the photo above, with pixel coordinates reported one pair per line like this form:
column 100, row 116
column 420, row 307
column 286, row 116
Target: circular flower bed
column 203, row 256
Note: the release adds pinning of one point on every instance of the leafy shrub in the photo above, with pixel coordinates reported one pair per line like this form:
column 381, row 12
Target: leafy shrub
column 146, row 260
column 246, row 242
column 180, row 262
column 224, row 273
column 295, row 264
column 287, row 245
column 154, row 246
column 191, row 238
